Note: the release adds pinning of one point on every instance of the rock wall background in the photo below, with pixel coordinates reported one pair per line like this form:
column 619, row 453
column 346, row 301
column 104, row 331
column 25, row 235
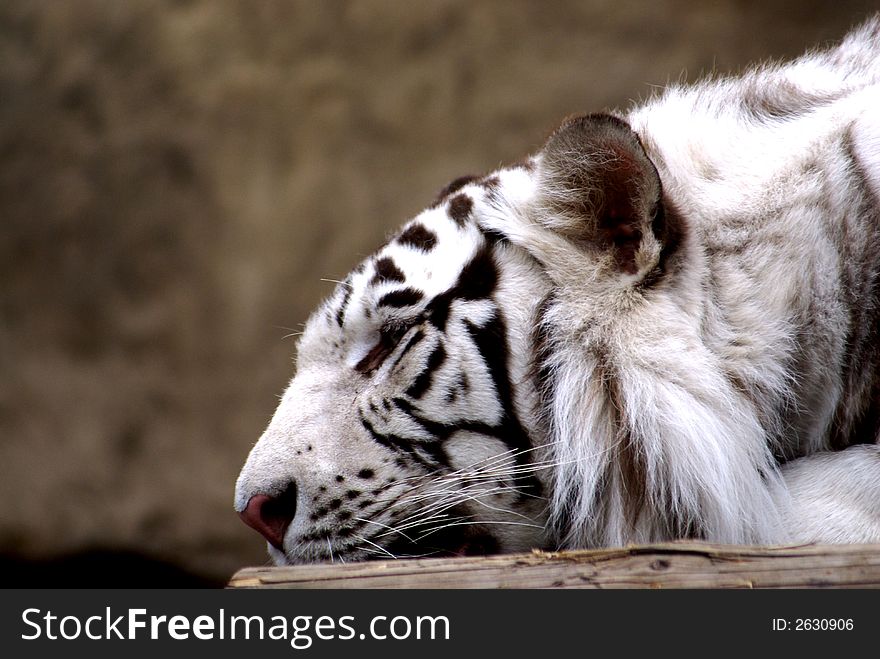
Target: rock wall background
column 177, row 177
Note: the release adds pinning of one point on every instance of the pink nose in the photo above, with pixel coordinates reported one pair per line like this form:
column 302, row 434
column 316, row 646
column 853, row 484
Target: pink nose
column 270, row 516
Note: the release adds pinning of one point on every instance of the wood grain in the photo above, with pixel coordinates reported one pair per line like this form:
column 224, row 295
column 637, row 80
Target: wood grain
column 672, row 565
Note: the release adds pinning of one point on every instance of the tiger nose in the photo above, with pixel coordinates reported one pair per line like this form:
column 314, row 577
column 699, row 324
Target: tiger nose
column 271, row 515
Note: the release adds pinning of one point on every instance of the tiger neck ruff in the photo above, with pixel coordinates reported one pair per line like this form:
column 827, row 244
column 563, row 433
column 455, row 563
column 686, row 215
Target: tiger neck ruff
column 640, row 333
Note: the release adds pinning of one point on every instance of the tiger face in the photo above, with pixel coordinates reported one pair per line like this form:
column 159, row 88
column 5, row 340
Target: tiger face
column 411, row 426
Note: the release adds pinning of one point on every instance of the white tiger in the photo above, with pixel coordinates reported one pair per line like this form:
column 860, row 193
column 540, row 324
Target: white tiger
column 619, row 339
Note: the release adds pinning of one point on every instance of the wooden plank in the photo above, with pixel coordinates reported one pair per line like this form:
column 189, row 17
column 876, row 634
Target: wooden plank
column 672, row 565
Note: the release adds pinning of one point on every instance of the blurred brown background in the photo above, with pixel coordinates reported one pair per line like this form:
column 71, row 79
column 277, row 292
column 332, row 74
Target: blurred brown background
column 176, row 177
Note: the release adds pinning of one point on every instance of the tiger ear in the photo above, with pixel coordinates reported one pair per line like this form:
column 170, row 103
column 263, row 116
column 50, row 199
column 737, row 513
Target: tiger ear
column 599, row 188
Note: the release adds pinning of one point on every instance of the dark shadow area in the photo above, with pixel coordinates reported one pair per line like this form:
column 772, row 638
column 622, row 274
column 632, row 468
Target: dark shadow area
column 99, row 568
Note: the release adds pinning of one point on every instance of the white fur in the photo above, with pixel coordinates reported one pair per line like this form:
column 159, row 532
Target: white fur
column 668, row 405
column 833, row 497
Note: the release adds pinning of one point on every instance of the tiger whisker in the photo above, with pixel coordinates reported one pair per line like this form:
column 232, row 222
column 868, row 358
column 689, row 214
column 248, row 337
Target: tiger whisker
column 430, row 530
column 422, row 522
column 441, row 500
column 451, row 498
column 519, row 469
column 481, row 523
column 379, row 547
column 463, row 483
column 415, row 523
column 449, row 490
column 503, row 469
column 495, row 467
column 505, row 455
column 379, row 550
column 479, row 496
column 443, row 524
column 422, row 555
column 441, row 514
column 391, row 529
column 543, row 464
column 459, row 498
column 335, row 281
column 500, row 510
column 292, row 551
column 478, row 485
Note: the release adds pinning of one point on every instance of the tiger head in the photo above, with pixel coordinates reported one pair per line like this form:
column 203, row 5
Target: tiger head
column 417, row 423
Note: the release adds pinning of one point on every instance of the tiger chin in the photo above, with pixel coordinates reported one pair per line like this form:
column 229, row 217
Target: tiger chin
column 662, row 325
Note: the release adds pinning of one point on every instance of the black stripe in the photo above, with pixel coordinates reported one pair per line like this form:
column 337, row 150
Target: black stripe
column 418, row 236
column 410, row 343
column 405, row 297
column 494, row 236
column 460, row 207
column 437, row 310
column 435, row 360
column 781, row 101
column 387, row 270
column 491, row 184
column 477, row 280
column 491, row 342
column 437, row 430
column 454, row 187
column 460, row 388
column 543, row 373
column 432, row 452
column 378, row 437
column 340, row 313
column 857, row 418
column 429, row 454
column 479, row 277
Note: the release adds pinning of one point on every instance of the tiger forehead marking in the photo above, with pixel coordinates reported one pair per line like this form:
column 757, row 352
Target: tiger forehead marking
column 405, row 253
column 402, row 260
column 652, row 328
